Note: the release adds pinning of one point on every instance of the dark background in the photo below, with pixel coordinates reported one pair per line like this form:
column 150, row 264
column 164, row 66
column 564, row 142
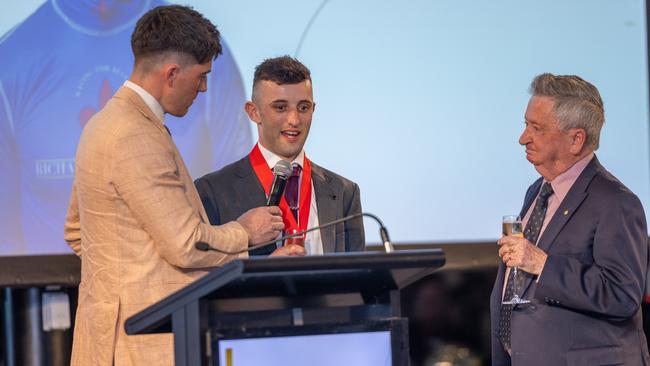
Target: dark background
column 448, row 311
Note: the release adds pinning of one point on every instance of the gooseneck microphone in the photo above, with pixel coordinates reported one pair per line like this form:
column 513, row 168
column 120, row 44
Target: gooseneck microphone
column 281, row 172
column 383, row 233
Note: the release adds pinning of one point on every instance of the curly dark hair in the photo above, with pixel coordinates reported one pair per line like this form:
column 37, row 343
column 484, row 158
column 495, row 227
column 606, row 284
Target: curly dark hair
column 175, row 28
column 281, row 70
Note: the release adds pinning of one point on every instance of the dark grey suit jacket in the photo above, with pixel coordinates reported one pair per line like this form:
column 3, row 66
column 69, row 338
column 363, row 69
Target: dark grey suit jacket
column 586, row 307
column 235, row 189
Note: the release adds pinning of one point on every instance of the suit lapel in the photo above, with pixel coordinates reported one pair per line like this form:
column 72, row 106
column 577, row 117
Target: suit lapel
column 249, row 193
column 565, row 211
column 568, row 206
column 326, row 201
column 249, row 186
column 531, row 194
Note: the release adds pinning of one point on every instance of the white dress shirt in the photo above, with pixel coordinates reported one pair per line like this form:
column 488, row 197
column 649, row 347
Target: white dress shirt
column 149, row 100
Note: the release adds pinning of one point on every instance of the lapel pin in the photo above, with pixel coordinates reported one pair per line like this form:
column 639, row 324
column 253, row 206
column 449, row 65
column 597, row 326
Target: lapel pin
column 566, row 212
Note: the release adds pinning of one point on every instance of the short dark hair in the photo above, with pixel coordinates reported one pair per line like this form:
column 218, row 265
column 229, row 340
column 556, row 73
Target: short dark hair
column 281, row 70
column 175, row 28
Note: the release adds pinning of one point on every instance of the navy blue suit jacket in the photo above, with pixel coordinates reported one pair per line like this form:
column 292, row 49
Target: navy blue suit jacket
column 586, row 307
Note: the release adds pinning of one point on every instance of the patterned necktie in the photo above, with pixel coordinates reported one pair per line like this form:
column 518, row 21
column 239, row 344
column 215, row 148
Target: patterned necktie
column 291, row 192
column 531, row 233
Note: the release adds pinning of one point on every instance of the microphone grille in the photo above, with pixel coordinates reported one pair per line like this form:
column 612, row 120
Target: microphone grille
column 282, row 168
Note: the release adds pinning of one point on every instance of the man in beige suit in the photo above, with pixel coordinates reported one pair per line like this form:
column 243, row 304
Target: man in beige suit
column 134, row 214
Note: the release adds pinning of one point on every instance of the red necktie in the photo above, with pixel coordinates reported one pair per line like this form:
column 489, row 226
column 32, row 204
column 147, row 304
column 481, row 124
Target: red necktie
column 291, row 191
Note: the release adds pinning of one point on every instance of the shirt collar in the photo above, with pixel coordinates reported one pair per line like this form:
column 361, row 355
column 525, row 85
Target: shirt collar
column 148, row 99
column 563, row 182
column 272, row 159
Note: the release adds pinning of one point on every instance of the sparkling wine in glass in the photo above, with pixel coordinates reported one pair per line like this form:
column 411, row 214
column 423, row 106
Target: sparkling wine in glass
column 512, row 225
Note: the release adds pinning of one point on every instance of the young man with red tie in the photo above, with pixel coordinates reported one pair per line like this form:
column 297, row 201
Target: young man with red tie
column 282, row 106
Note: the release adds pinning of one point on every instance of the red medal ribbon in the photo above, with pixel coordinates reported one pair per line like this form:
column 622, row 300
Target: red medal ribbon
column 265, row 176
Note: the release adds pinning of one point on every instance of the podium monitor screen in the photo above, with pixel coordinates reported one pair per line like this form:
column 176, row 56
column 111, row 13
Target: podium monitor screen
column 359, row 348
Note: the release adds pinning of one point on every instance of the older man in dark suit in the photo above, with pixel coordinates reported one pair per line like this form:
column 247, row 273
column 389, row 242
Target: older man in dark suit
column 584, row 253
column 282, row 106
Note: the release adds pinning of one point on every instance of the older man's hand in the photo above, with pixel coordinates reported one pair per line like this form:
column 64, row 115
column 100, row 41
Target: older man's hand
column 516, row 251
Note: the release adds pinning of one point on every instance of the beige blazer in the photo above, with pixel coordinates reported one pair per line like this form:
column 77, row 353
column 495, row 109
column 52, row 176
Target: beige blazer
column 133, row 218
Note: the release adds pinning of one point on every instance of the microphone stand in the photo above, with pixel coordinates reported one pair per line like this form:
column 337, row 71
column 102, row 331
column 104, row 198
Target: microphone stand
column 383, row 233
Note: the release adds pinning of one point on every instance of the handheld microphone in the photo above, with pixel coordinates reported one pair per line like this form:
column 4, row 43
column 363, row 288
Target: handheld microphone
column 281, row 172
column 383, row 233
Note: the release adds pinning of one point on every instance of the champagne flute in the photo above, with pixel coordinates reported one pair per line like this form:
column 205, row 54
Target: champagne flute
column 512, row 226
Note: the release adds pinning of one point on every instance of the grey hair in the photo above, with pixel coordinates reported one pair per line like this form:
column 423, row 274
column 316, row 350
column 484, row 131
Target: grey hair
column 577, row 103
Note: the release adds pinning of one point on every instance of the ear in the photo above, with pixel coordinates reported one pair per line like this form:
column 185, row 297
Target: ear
column 253, row 112
column 170, row 73
column 578, row 140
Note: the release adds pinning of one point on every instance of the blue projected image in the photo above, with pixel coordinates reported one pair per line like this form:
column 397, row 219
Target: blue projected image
column 78, row 55
column 421, row 103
